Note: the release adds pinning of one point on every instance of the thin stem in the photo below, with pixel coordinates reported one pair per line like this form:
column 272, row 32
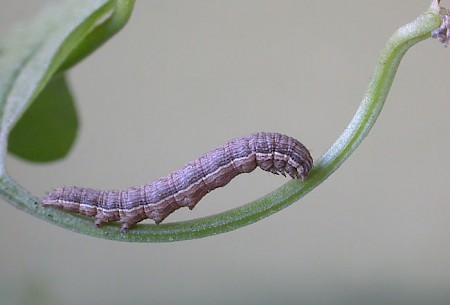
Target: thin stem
column 284, row 196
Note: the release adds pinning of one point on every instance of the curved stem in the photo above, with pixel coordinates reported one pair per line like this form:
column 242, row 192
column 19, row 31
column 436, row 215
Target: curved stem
column 284, row 196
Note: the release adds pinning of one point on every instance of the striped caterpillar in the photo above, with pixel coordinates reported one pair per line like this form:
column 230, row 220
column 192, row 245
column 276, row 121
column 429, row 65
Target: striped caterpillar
column 272, row 152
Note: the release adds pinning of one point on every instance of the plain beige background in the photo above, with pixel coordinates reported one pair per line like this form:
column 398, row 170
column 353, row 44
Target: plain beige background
column 185, row 76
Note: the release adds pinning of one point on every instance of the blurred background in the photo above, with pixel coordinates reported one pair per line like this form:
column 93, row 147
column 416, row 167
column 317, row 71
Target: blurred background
column 186, row 76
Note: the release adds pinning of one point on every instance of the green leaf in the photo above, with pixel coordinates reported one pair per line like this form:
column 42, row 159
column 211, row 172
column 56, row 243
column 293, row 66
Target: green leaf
column 32, row 54
column 48, row 128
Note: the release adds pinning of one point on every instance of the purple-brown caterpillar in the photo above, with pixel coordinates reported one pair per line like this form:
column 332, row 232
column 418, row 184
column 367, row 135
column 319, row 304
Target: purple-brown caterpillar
column 272, row 152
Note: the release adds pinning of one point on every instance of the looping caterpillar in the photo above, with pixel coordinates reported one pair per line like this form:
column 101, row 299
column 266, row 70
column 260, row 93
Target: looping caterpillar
column 272, row 152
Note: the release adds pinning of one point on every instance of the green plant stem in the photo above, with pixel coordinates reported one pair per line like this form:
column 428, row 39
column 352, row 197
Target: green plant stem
column 284, row 196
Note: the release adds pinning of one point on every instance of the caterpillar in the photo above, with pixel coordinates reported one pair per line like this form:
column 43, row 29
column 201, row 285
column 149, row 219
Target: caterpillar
column 272, row 152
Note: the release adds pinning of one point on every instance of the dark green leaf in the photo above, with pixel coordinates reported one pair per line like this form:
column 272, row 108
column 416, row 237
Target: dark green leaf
column 48, row 128
column 31, row 55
